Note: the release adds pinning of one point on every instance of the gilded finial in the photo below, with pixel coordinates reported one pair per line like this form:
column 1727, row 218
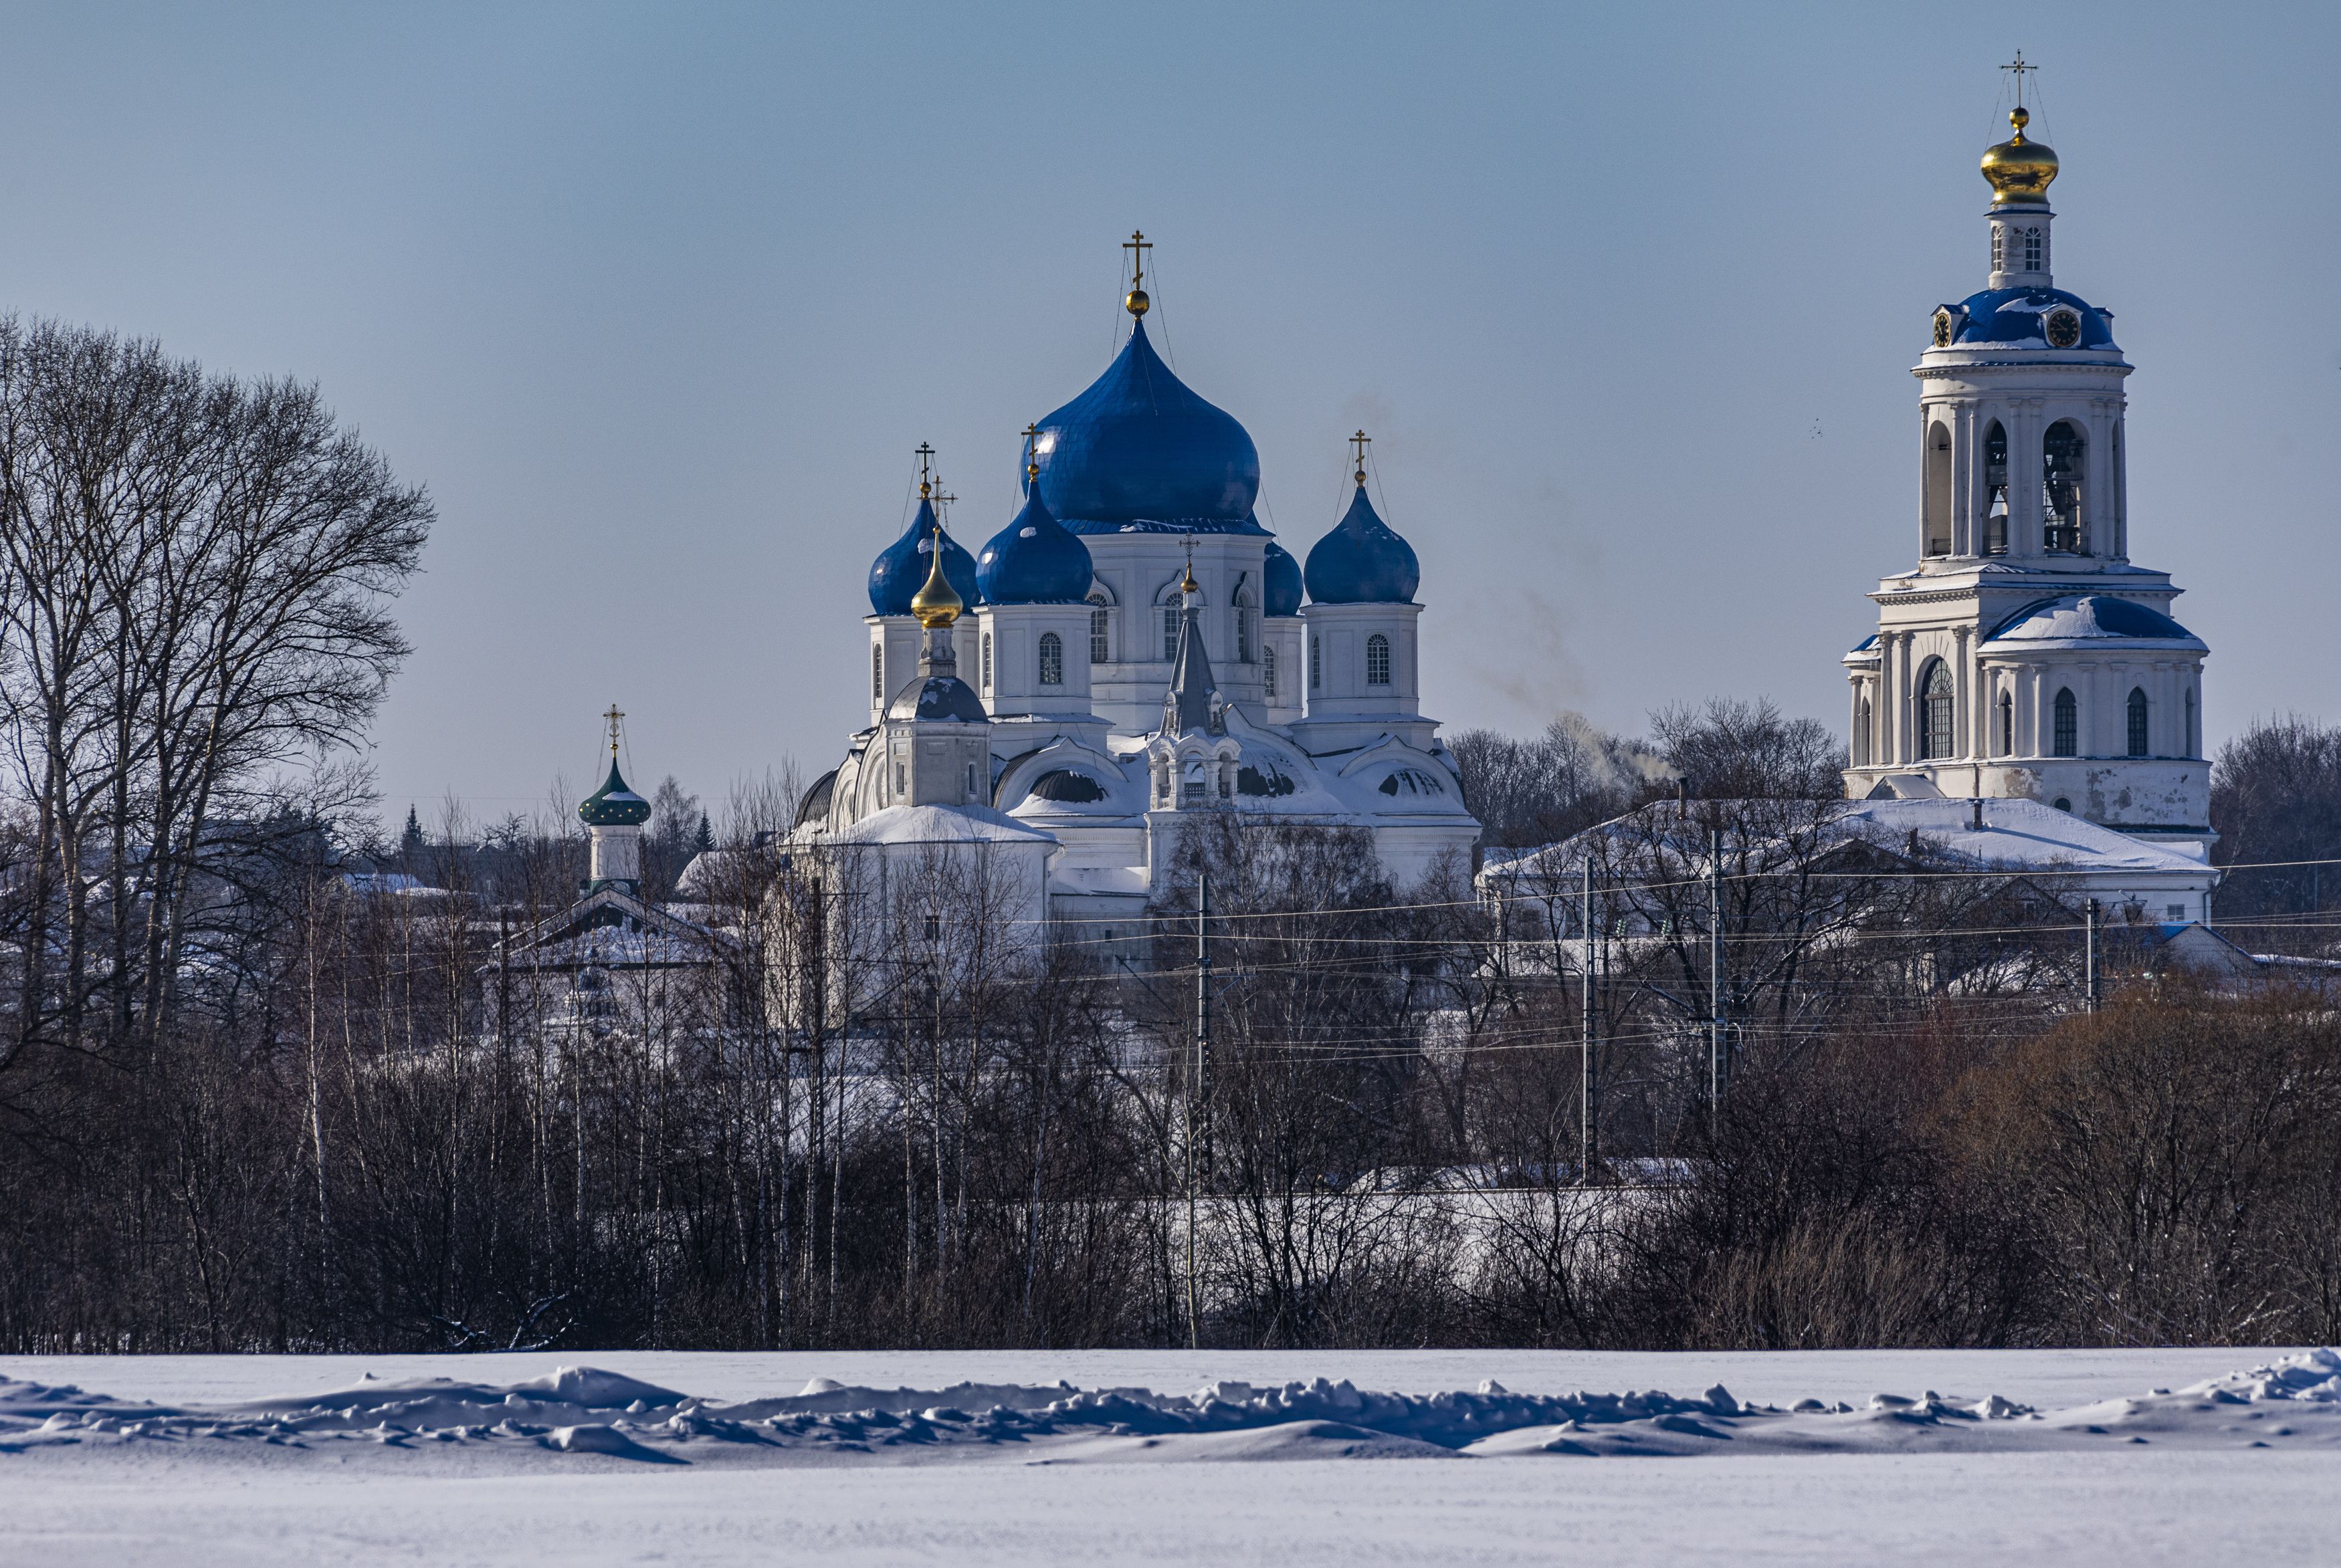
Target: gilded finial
column 1138, row 244
column 1188, row 586
column 2019, row 170
column 1032, row 453
column 926, row 471
column 612, row 717
column 938, row 603
column 1361, row 441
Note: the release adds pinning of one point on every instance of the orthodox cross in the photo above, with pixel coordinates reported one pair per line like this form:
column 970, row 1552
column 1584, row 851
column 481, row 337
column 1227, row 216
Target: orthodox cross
column 1032, row 451
column 2017, row 68
column 943, row 507
column 925, row 455
column 1138, row 244
column 612, row 717
column 1362, row 441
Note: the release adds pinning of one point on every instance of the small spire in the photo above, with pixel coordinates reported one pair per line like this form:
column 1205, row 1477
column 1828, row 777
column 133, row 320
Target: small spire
column 925, row 455
column 1188, row 587
column 1138, row 244
column 612, row 717
column 937, row 604
column 1032, row 453
column 1361, row 441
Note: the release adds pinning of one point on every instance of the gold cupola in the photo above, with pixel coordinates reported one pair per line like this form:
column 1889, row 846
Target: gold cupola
column 938, row 603
column 2020, row 171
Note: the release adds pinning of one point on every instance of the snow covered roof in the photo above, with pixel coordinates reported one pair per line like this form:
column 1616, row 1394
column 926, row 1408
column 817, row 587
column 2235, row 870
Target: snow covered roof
column 2019, row 834
column 939, row 825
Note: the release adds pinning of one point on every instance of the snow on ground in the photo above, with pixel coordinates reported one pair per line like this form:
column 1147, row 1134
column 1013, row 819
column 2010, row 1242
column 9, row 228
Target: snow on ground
column 2136, row 1456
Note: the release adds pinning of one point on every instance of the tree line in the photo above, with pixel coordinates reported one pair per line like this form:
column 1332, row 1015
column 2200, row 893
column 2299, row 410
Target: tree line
column 251, row 1097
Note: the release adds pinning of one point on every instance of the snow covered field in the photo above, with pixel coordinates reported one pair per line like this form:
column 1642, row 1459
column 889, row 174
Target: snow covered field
column 1305, row 1457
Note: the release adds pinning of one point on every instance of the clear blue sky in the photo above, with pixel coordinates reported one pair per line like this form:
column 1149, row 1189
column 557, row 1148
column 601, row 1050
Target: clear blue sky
column 657, row 299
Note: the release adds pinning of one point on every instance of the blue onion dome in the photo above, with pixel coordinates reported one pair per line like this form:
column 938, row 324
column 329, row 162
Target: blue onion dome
column 1280, row 582
column 1033, row 561
column 614, row 805
column 2025, row 318
column 900, row 569
column 1139, row 450
column 1362, row 561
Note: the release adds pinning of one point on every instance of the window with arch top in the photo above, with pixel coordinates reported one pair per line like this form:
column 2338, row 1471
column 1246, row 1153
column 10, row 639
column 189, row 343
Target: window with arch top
column 1052, row 660
column 1267, row 670
column 2006, row 725
column 1936, row 708
column 1171, row 631
column 878, row 673
column 1247, row 632
column 1098, row 644
column 2068, row 724
column 2139, row 715
column 1377, row 661
column 987, row 661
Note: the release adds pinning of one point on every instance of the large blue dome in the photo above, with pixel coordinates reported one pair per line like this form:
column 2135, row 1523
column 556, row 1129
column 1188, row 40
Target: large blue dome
column 2017, row 318
column 1362, row 561
column 1138, row 448
column 1033, row 561
column 1282, row 582
column 900, row 569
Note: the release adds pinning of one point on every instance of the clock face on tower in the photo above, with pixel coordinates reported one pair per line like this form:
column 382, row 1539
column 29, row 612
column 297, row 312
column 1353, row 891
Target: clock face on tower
column 1942, row 329
column 2064, row 329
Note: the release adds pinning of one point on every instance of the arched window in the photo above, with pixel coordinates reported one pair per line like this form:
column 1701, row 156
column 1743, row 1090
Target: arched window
column 1268, row 669
column 2006, row 725
column 971, row 780
column 2137, row 716
column 1999, row 248
column 1861, row 731
column 1994, row 490
column 987, row 661
column 1097, row 647
column 1052, row 660
column 1171, row 631
column 2194, row 743
column 1316, row 663
column 2036, row 248
column 1938, row 488
column 2062, row 450
column 1377, row 661
column 2069, row 724
column 878, row 673
column 1935, row 710
column 1245, row 631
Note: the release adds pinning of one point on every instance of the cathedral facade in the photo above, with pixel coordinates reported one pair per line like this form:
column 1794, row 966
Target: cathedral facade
column 1132, row 648
column 2026, row 656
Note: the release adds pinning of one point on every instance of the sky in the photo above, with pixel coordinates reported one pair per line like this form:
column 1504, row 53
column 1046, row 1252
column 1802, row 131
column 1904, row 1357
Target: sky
column 656, row 301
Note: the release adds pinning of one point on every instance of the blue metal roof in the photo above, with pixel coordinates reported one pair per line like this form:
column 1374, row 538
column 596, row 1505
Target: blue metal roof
column 900, row 569
column 1362, row 561
column 2014, row 317
column 1140, row 447
column 2089, row 616
column 1280, row 584
column 1033, row 561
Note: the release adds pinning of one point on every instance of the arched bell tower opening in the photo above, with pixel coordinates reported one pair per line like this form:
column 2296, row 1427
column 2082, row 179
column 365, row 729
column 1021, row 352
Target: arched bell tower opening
column 2064, row 460
column 1939, row 488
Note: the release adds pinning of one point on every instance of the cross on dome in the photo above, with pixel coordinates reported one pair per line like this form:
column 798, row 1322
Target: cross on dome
column 1138, row 244
column 612, row 717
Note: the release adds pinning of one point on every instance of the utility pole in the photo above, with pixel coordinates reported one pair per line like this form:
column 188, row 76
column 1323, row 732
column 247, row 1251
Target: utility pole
column 2089, row 955
column 1718, row 1069
column 1589, row 1137
column 1195, row 1084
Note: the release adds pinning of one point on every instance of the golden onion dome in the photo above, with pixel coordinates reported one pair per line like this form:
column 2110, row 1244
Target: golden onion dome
column 938, row 603
column 2020, row 171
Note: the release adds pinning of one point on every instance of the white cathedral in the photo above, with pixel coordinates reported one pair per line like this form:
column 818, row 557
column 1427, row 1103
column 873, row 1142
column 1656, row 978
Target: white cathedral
column 1133, row 647
column 2025, row 656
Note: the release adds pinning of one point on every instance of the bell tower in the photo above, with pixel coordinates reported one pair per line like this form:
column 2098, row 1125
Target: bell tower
column 2024, row 655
